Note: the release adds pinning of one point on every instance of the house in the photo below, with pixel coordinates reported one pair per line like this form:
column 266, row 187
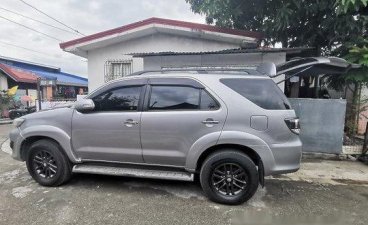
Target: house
column 118, row 52
column 54, row 83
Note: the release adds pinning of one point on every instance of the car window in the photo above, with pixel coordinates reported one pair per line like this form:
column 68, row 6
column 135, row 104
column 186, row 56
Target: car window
column 207, row 102
column 262, row 92
column 118, row 99
column 174, row 98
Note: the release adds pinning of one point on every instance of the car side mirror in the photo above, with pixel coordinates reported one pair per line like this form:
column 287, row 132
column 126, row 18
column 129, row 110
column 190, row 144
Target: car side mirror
column 84, row 105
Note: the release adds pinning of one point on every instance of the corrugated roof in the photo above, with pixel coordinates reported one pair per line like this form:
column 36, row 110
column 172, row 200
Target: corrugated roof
column 226, row 51
column 25, row 73
column 18, row 75
column 62, row 78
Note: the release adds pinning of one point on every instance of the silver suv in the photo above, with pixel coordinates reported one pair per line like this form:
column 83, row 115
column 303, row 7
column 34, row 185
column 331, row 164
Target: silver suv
column 231, row 129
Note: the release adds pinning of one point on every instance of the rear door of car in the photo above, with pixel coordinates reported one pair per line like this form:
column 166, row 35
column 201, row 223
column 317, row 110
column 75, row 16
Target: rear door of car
column 314, row 66
column 177, row 112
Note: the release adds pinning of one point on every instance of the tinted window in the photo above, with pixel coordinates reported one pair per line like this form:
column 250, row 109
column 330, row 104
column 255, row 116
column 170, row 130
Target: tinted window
column 125, row 98
column 174, row 98
column 262, row 92
column 207, row 102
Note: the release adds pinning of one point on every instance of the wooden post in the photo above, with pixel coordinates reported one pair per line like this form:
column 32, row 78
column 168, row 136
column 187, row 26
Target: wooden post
column 365, row 140
column 39, row 92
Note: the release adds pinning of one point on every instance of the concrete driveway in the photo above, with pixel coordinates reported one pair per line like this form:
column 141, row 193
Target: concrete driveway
column 322, row 192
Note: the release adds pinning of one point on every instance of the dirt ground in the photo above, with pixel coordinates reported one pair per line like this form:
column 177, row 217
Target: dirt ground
column 322, row 192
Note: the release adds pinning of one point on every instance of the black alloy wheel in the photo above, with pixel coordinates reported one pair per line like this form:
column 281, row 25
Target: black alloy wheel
column 44, row 164
column 229, row 179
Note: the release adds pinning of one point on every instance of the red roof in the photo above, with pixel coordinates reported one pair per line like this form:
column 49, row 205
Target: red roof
column 153, row 20
column 18, row 75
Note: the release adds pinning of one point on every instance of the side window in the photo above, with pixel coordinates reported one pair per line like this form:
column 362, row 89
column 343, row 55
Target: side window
column 174, row 98
column 262, row 92
column 118, row 99
column 207, row 102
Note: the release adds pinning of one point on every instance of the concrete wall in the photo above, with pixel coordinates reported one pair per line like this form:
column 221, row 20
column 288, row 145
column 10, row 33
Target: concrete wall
column 152, row 43
column 322, row 124
column 239, row 59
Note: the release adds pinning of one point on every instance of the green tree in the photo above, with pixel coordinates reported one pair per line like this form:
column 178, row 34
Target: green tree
column 313, row 23
column 357, row 5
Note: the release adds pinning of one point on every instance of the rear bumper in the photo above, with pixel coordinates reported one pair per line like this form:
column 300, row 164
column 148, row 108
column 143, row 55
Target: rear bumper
column 287, row 157
column 16, row 140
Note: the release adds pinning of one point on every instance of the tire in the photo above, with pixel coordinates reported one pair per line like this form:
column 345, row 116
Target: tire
column 223, row 174
column 47, row 164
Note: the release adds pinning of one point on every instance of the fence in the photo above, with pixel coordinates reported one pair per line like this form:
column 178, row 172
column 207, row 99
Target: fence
column 322, row 124
column 323, row 127
column 48, row 104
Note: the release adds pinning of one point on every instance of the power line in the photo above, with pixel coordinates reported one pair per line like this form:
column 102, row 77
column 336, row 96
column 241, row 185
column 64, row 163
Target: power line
column 28, row 49
column 52, row 17
column 31, row 50
column 8, row 10
column 31, row 28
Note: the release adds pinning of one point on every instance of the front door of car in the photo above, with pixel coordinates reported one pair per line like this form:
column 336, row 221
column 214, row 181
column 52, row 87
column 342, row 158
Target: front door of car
column 177, row 113
column 111, row 131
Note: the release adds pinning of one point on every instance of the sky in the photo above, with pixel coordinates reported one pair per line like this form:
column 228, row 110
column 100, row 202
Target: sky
column 85, row 16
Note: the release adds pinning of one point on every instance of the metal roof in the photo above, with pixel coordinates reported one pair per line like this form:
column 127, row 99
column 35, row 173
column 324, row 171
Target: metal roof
column 23, row 71
column 226, row 51
column 18, row 75
column 165, row 22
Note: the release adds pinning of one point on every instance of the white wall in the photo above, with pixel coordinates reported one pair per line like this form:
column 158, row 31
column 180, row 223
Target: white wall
column 239, row 59
column 3, row 82
column 152, row 43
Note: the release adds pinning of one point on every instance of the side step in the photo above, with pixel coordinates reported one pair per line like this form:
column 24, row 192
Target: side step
column 133, row 172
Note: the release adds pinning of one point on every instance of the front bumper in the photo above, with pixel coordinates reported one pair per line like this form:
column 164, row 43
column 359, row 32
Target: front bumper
column 16, row 140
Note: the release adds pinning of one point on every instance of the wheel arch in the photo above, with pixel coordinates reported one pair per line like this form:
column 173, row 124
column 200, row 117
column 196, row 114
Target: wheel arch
column 243, row 149
column 55, row 134
column 26, row 144
column 251, row 153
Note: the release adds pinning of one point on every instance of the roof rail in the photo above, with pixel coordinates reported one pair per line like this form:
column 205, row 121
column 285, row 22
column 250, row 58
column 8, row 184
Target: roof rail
column 199, row 70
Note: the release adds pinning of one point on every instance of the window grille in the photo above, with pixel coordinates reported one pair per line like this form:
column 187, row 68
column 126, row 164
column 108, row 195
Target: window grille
column 115, row 69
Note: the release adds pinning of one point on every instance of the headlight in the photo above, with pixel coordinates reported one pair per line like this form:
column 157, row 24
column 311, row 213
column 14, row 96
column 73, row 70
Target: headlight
column 18, row 121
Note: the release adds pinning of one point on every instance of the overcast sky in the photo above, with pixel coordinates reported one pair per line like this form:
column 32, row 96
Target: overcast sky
column 86, row 16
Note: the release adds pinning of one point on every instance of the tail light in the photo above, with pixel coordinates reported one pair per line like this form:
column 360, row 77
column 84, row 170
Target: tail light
column 293, row 124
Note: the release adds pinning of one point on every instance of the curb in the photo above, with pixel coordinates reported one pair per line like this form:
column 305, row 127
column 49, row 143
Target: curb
column 4, row 146
column 327, row 156
column 6, row 122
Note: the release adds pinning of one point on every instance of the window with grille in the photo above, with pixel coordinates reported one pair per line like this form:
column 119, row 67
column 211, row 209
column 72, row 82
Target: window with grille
column 115, row 69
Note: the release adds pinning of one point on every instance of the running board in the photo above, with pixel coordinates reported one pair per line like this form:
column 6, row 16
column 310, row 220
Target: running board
column 133, row 172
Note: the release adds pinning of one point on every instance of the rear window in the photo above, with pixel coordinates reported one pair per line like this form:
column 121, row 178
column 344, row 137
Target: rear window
column 262, row 92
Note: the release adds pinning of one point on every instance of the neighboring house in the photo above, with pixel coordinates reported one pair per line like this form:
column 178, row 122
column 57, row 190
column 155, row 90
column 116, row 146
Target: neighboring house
column 55, row 84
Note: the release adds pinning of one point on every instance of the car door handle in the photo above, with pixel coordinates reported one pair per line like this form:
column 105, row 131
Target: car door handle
column 210, row 121
column 130, row 122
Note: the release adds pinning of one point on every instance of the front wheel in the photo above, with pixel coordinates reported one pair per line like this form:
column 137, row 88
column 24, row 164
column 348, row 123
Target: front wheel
column 229, row 177
column 47, row 164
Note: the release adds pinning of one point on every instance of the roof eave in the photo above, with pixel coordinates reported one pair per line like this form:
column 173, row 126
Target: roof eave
column 82, row 45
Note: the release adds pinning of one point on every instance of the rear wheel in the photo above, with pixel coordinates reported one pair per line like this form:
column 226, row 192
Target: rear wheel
column 47, row 164
column 229, row 177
